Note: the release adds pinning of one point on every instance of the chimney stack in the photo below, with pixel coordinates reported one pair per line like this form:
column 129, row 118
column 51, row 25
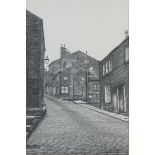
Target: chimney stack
column 126, row 34
column 63, row 51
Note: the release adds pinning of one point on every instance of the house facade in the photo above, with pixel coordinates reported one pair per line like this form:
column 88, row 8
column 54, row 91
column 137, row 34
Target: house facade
column 114, row 79
column 71, row 76
column 35, row 51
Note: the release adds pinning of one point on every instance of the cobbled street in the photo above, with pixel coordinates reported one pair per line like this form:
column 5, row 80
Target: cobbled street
column 68, row 129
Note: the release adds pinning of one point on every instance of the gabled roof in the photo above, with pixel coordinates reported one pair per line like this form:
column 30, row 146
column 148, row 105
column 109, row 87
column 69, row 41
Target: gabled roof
column 72, row 54
column 115, row 48
column 80, row 52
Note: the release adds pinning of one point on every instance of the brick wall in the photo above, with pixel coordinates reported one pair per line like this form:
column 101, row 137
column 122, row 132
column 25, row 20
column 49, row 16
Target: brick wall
column 35, row 50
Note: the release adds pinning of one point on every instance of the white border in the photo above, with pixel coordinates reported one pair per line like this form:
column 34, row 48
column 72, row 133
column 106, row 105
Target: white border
column 13, row 79
column 142, row 61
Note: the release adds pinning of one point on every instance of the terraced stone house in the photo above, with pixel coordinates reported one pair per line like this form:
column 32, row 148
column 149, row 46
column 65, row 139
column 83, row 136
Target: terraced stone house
column 74, row 76
column 114, row 79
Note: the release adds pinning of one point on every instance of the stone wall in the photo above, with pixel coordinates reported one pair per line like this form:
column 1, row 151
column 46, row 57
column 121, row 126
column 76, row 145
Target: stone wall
column 75, row 70
column 119, row 75
column 35, row 50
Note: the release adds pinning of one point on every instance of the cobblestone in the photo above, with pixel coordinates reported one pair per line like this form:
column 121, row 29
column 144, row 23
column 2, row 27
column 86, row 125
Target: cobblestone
column 68, row 128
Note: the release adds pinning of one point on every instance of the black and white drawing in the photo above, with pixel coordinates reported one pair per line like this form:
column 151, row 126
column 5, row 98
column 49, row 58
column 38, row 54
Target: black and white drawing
column 77, row 77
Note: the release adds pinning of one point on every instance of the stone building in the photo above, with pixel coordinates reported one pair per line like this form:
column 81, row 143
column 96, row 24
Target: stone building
column 114, row 79
column 72, row 76
column 35, row 51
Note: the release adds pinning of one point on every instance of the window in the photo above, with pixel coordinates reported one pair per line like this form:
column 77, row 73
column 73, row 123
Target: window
column 65, row 78
column 126, row 53
column 110, row 65
column 82, row 78
column 96, row 87
column 64, row 90
column 64, row 64
column 107, row 67
column 90, row 96
column 107, row 94
column 103, row 70
column 91, row 70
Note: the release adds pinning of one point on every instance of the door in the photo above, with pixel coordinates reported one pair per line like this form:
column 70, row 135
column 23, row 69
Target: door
column 121, row 99
column 115, row 99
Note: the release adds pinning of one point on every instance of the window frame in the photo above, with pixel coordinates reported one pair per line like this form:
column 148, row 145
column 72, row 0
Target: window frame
column 107, row 96
column 91, row 70
column 97, row 88
column 90, row 95
column 94, row 86
column 83, row 78
column 107, row 67
column 110, row 65
column 103, row 70
column 65, row 78
column 63, row 90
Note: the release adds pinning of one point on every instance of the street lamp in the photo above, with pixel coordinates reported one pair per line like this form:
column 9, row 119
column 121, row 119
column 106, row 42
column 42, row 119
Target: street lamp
column 46, row 61
column 46, row 78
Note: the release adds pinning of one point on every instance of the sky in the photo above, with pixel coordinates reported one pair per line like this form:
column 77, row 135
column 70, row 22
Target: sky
column 97, row 26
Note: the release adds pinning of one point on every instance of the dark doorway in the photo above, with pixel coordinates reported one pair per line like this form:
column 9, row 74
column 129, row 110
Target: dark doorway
column 118, row 99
